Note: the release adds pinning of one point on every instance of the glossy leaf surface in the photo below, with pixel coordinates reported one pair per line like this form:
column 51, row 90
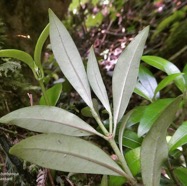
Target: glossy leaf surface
column 125, row 74
column 147, row 80
column 141, row 91
column 133, row 160
column 166, row 81
column 53, row 94
column 154, row 149
column 68, row 58
column 179, row 138
column 166, row 66
column 66, row 153
column 48, row 119
column 152, row 112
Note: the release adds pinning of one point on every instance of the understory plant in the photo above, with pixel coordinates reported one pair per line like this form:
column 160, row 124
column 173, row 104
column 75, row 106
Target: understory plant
column 141, row 153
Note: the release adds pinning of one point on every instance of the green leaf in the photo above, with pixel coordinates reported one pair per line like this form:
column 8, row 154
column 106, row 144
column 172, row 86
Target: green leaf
column 122, row 128
column 53, row 95
column 131, row 139
column 181, row 174
column 136, row 115
column 68, row 58
column 104, row 181
column 141, row 91
column 167, row 67
column 48, row 119
column 94, row 20
column 151, row 114
column 66, row 153
column 147, row 80
column 154, row 149
column 116, row 180
column 125, row 74
column 96, row 81
column 39, row 45
column 19, row 55
column 166, row 81
column 133, row 160
column 179, row 138
column 86, row 112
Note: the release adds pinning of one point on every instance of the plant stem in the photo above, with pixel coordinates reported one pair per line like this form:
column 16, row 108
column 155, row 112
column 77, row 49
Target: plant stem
column 101, row 125
column 44, row 92
column 122, row 161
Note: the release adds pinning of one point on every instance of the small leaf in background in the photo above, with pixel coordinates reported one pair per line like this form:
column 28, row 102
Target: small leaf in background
column 165, row 66
column 104, row 181
column 147, row 80
column 96, row 81
column 86, row 112
column 125, row 74
column 133, row 160
column 48, row 119
column 151, row 114
column 131, row 140
column 154, row 149
column 68, row 58
column 53, row 95
column 116, row 180
column 181, row 174
column 94, row 20
column 136, row 116
column 166, row 81
column 66, row 153
column 179, row 138
column 141, row 91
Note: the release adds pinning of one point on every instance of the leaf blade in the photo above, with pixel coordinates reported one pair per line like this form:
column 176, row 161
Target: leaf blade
column 66, row 153
column 179, row 138
column 123, row 82
column 69, row 58
column 48, row 119
column 96, row 81
column 53, row 95
column 154, row 147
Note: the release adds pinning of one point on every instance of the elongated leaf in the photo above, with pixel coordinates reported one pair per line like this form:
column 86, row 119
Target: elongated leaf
column 152, row 112
column 166, row 81
column 147, row 80
column 96, row 81
column 48, row 120
column 53, row 95
column 133, row 160
column 167, row 67
column 122, row 128
column 181, row 174
column 154, row 148
column 131, row 139
column 68, row 58
column 179, row 138
column 125, row 74
column 19, row 55
column 136, row 115
column 141, row 91
column 66, row 153
column 39, row 45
